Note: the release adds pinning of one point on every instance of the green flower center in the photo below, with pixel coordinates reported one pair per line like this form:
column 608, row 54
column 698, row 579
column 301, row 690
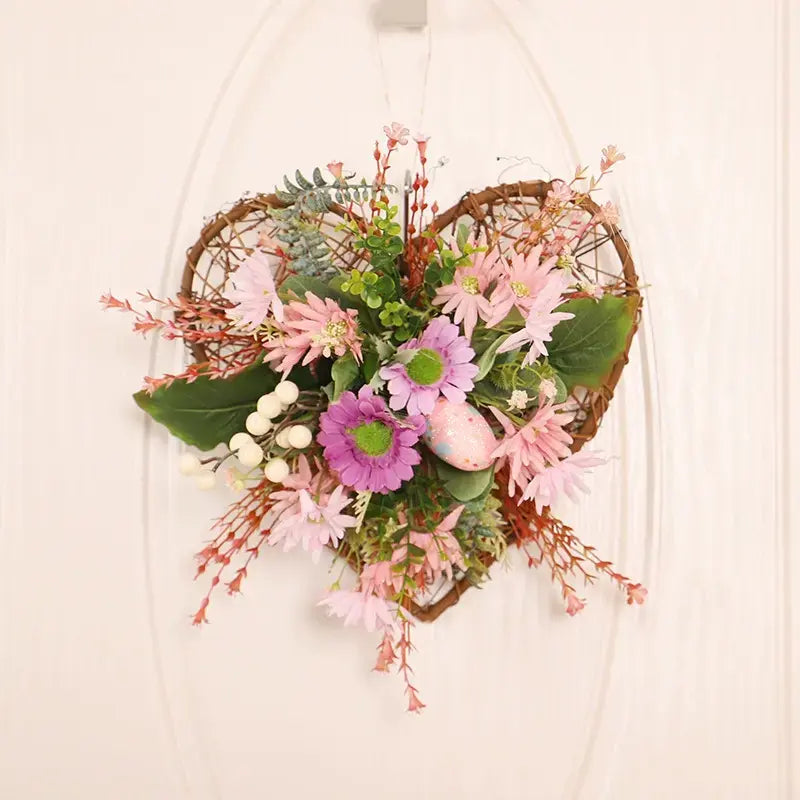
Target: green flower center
column 520, row 289
column 373, row 438
column 426, row 367
column 470, row 285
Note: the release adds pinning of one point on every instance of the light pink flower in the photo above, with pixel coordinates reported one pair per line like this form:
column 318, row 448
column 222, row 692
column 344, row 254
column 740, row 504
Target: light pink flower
column 528, row 450
column 608, row 213
column 574, row 603
column 464, row 298
column 610, row 157
column 520, row 282
column 559, row 194
column 316, row 524
column 547, row 390
column 253, row 293
column 636, row 594
column 335, row 168
column 313, row 329
column 559, row 477
column 539, row 323
column 375, row 613
column 397, row 133
column 442, row 550
column 422, row 144
column 380, row 578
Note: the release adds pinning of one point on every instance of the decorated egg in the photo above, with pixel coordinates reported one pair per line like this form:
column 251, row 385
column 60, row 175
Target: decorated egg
column 459, row 435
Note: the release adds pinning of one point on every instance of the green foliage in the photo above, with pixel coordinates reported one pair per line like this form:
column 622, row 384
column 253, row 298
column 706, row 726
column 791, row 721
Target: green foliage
column 206, row 412
column 584, row 349
column 369, row 286
column 512, row 376
column 344, row 372
column 487, row 358
column 465, row 486
column 297, row 223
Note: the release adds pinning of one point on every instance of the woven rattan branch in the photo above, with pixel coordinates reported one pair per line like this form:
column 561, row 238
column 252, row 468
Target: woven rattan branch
column 480, row 206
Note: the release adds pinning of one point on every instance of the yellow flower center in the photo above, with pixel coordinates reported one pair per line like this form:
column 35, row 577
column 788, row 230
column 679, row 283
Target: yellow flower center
column 470, row 285
column 520, row 289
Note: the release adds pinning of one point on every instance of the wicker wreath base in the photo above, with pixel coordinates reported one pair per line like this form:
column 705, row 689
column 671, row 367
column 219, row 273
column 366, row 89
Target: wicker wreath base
column 232, row 234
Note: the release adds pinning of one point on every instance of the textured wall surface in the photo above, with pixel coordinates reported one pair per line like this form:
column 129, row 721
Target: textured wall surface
column 122, row 125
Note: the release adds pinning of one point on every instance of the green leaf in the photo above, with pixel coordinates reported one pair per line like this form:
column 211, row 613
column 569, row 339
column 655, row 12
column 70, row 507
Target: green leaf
column 463, row 485
column 206, row 412
column 344, row 371
column 370, row 366
column 461, row 236
column 487, row 359
column 584, row 349
column 300, row 284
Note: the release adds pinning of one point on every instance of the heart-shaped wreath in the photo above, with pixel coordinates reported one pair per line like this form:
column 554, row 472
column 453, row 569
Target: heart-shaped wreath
column 411, row 390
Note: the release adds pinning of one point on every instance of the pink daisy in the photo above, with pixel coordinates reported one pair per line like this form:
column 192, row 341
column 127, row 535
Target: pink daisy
column 316, row 523
column 464, row 298
column 375, row 613
column 520, row 282
column 442, row 550
column 539, row 323
column 253, row 293
column 437, row 363
column 369, row 448
column 561, row 477
column 541, row 441
column 313, row 329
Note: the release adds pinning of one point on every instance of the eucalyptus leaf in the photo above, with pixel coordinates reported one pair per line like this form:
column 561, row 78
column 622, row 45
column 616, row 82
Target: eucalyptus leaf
column 205, row 412
column 584, row 349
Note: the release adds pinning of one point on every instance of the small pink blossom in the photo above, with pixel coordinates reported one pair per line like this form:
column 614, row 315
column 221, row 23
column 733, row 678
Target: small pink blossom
column 316, row 523
column 540, row 322
column 313, row 329
column 608, row 213
column 547, row 390
column 386, row 654
column 397, row 133
column 375, row 613
column 636, row 594
column 521, row 281
column 559, row 194
column 442, row 550
column 422, row 144
column 380, row 578
column 415, row 705
column 335, row 168
column 561, row 477
column 574, row 603
column 528, row 450
column 610, row 157
column 464, row 297
column 253, row 293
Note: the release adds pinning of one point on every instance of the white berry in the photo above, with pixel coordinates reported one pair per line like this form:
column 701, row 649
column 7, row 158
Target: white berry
column 269, row 405
column 256, row 424
column 276, row 470
column 287, row 392
column 189, row 464
column 282, row 438
column 299, row 437
column 205, row 479
column 251, row 455
column 239, row 440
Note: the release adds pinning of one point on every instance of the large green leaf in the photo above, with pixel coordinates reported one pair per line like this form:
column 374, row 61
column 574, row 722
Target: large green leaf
column 344, row 372
column 583, row 349
column 463, row 485
column 206, row 412
column 487, row 358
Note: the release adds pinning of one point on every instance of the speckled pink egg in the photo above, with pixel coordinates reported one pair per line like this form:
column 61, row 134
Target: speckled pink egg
column 459, row 435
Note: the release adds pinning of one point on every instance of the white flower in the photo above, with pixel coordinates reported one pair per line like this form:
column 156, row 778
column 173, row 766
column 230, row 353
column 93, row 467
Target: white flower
column 519, row 400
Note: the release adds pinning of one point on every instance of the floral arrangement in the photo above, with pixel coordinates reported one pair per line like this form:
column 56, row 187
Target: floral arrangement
column 409, row 398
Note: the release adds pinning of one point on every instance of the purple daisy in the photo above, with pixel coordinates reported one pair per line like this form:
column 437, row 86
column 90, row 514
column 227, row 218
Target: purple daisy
column 437, row 363
column 366, row 444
